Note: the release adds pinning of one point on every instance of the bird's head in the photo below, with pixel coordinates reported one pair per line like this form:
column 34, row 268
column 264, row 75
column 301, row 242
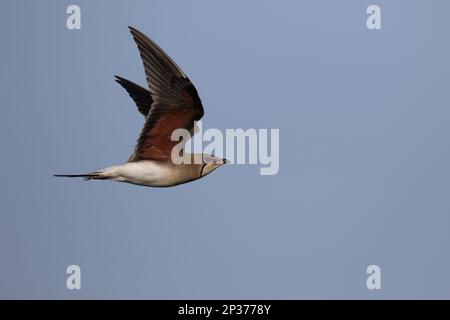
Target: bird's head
column 211, row 163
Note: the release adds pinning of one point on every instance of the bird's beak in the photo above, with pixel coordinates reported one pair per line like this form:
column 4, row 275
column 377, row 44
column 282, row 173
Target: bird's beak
column 222, row 161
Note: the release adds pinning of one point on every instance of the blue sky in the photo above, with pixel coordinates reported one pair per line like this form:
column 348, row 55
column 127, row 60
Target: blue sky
column 363, row 179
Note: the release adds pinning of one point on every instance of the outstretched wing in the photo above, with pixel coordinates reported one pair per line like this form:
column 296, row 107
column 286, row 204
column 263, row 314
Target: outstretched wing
column 176, row 103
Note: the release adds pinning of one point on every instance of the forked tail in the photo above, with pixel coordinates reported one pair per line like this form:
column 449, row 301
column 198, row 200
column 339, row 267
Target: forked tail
column 86, row 176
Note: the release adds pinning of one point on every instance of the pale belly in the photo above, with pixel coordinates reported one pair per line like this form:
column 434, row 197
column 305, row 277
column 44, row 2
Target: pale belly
column 149, row 173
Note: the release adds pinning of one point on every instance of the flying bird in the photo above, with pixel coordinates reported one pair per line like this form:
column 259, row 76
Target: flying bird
column 171, row 102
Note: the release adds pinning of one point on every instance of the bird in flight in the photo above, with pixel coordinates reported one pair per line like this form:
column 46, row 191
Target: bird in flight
column 170, row 103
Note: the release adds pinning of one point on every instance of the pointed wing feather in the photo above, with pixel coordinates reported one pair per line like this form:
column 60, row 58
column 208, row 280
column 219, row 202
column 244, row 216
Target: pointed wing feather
column 141, row 96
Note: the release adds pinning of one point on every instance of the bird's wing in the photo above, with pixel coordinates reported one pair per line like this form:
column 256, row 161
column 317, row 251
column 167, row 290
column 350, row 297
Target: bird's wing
column 176, row 103
column 141, row 96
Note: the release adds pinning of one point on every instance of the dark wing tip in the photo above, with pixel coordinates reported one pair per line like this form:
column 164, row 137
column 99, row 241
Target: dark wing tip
column 119, row 79
column 135, row 32
column 125, row 82
column 149, row 51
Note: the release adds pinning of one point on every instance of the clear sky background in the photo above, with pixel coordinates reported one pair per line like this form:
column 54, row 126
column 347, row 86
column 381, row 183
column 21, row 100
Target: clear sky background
column 364, row 153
